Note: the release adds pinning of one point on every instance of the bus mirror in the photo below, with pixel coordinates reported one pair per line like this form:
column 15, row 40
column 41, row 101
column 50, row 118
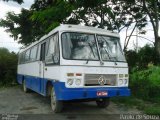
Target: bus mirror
column 55, row 58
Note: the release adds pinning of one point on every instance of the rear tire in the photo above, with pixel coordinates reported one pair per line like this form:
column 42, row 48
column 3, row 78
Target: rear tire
column 103, row 102
column 25, row 89
column 56, row 105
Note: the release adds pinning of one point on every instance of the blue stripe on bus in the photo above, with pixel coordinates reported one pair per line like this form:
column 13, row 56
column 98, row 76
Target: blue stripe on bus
column 62, row 93
column 34, row 83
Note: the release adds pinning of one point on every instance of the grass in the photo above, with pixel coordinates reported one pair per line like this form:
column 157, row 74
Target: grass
column 153, row 110
column 2, row 87
column 147, row 107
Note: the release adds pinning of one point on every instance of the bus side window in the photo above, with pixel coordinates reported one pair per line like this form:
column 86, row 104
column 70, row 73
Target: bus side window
column 33, row 55
column 43, row 50
column 27, row 55
column 38, row 52
column 52, row 55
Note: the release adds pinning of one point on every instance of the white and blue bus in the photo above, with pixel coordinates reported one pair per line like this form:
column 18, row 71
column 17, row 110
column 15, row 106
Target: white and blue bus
column 75, row 63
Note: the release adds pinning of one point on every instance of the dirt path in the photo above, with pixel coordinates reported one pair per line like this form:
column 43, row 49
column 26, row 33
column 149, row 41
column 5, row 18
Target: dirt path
column 14, row 101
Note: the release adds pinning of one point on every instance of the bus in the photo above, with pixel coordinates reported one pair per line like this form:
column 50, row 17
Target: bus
column 75, row 63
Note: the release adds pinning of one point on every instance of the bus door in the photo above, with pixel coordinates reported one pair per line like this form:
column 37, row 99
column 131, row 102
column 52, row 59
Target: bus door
column 41, row 66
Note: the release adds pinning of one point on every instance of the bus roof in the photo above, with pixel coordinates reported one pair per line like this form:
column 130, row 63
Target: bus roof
column 73, row 28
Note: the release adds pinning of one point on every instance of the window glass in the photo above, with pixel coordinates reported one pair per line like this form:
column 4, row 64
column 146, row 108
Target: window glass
column 110, row 49
column 27, row 55
column 79, row 46
column 53, row 50
column 43, row 51
column 33, row 55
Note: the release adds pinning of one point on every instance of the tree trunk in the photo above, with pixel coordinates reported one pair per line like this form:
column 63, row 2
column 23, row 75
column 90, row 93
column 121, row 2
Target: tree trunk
column 157, row 46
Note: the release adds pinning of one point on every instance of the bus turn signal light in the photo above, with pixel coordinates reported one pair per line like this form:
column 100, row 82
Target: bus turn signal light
column 70, row 74
column 78, row 74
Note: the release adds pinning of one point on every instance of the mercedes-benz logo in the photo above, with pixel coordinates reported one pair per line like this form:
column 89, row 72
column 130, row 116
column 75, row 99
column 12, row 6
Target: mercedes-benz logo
column 102, row 80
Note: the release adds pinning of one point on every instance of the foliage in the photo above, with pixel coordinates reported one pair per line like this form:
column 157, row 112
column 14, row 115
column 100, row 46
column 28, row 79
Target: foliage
column 145, row 87
column 51, row 15
column 30, row 25
column 151, row 9
column 145, row 84
column 145, row 55
column 154, row 110
column 132, row 58
column 21, row 27
column 111, row 15
column 8, row 67
column 149, row 108
column 44, row 15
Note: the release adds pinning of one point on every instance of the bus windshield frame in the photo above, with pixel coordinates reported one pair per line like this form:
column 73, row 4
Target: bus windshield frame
column 88, row 46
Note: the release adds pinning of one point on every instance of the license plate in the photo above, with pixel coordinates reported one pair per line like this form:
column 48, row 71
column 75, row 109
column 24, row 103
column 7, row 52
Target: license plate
column 102, row 93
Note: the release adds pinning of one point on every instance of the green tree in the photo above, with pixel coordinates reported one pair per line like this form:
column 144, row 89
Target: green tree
column 152, row 10
column 51, row 14
column 30, row 25
column 21, row 27
column 141, row 59
column 113, row 15
column 8, row 67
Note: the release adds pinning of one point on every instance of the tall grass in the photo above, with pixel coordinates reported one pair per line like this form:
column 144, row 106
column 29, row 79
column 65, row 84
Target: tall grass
column 145, row 84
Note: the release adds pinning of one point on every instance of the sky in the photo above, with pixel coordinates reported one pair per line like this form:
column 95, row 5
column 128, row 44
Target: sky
column 5, row 40
column 8, row 42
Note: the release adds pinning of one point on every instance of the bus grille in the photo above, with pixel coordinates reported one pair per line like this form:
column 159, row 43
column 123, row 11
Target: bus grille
column 93, row 79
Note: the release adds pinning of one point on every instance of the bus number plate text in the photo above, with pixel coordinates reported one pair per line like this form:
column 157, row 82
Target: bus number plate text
column 102, row 93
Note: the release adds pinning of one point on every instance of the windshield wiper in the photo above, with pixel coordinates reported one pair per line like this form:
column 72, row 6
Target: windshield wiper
column 87, row 61
column 110, row 57
column 115, row 58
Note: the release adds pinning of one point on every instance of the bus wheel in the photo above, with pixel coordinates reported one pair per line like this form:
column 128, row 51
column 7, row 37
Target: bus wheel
column 103, row 102
column 55, row 104
column 25, row 89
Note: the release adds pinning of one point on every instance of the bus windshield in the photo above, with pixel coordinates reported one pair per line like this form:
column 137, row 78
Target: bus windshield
column 79, row 46
column 83, row 46
column 109, row 48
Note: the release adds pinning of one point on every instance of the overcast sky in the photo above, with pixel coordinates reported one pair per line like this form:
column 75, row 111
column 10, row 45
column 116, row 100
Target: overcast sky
column 5, row 39
column 8, row 42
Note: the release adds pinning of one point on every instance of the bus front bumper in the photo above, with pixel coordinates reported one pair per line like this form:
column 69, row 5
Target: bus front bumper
column 63, row 93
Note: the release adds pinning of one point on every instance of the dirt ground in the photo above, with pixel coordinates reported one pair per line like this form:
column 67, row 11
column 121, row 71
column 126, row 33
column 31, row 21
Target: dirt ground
column 29, row 105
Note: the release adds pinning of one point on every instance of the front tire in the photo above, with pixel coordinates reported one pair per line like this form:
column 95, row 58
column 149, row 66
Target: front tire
column 103, row 102
column 25, row 89
column 56, row 105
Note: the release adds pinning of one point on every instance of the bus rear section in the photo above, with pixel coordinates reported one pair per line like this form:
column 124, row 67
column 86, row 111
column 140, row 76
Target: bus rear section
column 75, row 63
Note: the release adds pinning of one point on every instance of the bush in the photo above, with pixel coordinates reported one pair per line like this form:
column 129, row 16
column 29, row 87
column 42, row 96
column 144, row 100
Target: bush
column 132, row 58
column 8, row 67
column 142, row 58
column 145, row 84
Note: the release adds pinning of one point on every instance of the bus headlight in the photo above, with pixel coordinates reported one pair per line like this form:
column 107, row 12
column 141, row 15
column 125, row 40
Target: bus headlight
column 70, row 81
column 120, row 81
column 120, row 75
column 126, row 75
column 78, row 82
